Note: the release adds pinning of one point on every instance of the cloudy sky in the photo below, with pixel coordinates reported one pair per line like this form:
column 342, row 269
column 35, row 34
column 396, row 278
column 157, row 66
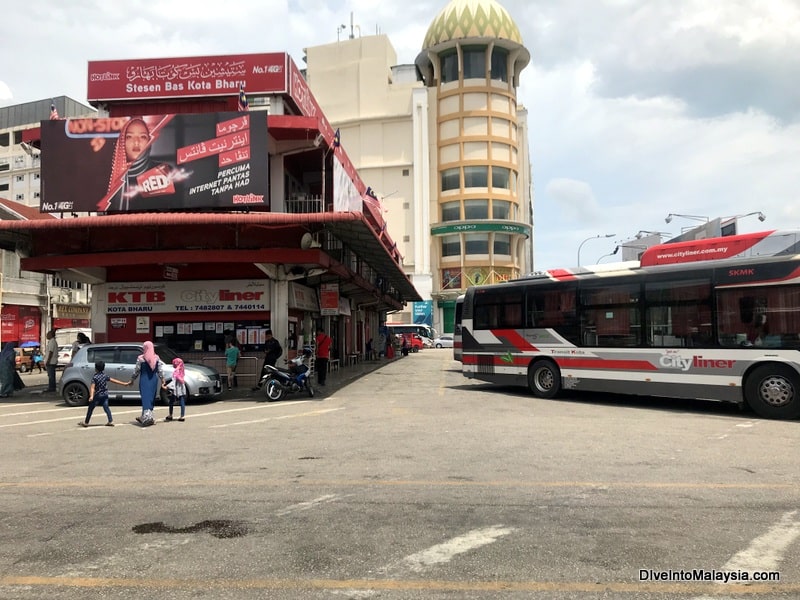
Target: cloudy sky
column 637, row 108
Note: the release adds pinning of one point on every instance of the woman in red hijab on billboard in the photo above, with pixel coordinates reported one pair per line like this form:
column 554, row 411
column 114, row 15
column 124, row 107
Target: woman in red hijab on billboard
column 133, row 173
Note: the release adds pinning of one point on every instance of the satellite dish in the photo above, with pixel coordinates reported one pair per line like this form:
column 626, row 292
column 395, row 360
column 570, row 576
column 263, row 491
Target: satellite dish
column 308, row 241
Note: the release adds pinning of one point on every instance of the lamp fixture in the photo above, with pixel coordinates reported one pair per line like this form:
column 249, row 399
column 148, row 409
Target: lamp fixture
column 761, row 216
column 594, row 237
column 318, row 140
column 695, row 217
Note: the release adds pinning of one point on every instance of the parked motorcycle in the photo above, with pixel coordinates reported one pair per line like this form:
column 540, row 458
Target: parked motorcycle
column 276, row 382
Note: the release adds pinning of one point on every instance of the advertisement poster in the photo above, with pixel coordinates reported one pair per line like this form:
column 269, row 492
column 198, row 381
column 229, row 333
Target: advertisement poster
column 423, row 312
column 20, row 323
column 329, row 299
column 155, row 163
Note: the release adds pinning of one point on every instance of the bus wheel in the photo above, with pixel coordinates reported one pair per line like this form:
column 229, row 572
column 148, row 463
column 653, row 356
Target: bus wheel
column 544, row 379
column 772, row 392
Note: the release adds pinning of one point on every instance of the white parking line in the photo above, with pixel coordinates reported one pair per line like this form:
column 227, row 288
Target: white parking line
column 39, row 412
column 764, row 553
column 80, row 411
column 306, row 505
column 20, row 404
column 293, row 416
column 443, row 553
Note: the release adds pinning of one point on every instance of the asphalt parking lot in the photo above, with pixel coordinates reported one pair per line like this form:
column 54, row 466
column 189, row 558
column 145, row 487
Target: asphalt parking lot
column 408, row 481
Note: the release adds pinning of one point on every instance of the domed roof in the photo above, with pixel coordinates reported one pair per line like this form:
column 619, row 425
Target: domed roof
column 471, row 18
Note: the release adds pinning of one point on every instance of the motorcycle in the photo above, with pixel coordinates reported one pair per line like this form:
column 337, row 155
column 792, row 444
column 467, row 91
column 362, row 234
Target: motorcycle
column 276, row 382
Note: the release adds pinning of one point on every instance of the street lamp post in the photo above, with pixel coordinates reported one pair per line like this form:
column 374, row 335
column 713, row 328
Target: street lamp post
column 594, row 237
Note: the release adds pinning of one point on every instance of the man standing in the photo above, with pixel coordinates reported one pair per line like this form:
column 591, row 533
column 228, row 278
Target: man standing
column 272, row 352
column 51, row 360
column 323, row 343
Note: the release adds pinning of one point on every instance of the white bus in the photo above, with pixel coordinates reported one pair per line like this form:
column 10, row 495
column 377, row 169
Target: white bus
column 426, row 332
column 682, row 323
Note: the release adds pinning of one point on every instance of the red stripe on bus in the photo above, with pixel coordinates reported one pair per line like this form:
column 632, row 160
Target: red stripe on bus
column 502, row 360
column 600, row 363
column 513, row 337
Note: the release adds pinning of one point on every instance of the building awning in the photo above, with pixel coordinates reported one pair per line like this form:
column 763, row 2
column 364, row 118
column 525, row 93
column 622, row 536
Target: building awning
column 109, row 246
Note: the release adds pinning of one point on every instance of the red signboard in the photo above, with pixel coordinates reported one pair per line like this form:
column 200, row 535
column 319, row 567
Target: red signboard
column 21, row 323
column 155, row 163
column 201, row 76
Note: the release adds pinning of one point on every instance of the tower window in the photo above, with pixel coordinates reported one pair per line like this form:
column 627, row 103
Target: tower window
column 500, row 64
column 451, row 211
column 474, row 62
column 451, row 245
column 477, row 243
column 449, row 66
column 502, row 244
column 476, row 209
column 476, row 177
column 500, row 177
column 450, row 179
column 501, row 209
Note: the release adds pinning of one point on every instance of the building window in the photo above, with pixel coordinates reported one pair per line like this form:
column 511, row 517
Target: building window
column 500, row 177
column 451, row 245
column 19, row 178
column 476, row 243
column 451, row 211
column 450, row 179
column 502, row 244
column 476, row 177
column 37, row 195
column 500, row 64
column 474, row 62
column 36, row 176
column 3, row 187
column 4, row 166
column 4, row 139
column 405, row 172
column 476, row 209
column 449, row 66
column 18, row 136
column 501, row 210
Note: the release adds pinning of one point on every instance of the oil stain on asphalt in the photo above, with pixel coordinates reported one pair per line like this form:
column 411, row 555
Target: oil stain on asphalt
column 220, row 528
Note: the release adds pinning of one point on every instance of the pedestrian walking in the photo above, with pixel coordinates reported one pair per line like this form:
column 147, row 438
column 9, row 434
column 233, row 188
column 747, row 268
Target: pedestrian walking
column 323, row 343
column 231, row 360
column 149, row 370
column 8, row 368
column 51, row 359
column 177, row 389
column 38, row 360
column 98, row 393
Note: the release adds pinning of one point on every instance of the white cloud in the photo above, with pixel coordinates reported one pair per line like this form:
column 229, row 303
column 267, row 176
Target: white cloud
column 636, row 109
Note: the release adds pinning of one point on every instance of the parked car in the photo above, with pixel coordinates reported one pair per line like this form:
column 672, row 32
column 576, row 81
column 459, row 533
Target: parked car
column 64, row 356
column 444, row 341
column 202, row 382
column 23, row 359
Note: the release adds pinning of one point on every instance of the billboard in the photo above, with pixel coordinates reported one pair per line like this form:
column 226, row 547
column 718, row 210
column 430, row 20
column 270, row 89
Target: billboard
column 155, row 163
column 204, row 76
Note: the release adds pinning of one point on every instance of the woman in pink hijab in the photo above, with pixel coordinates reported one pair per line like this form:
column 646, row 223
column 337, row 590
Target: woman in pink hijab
column 149, row 370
